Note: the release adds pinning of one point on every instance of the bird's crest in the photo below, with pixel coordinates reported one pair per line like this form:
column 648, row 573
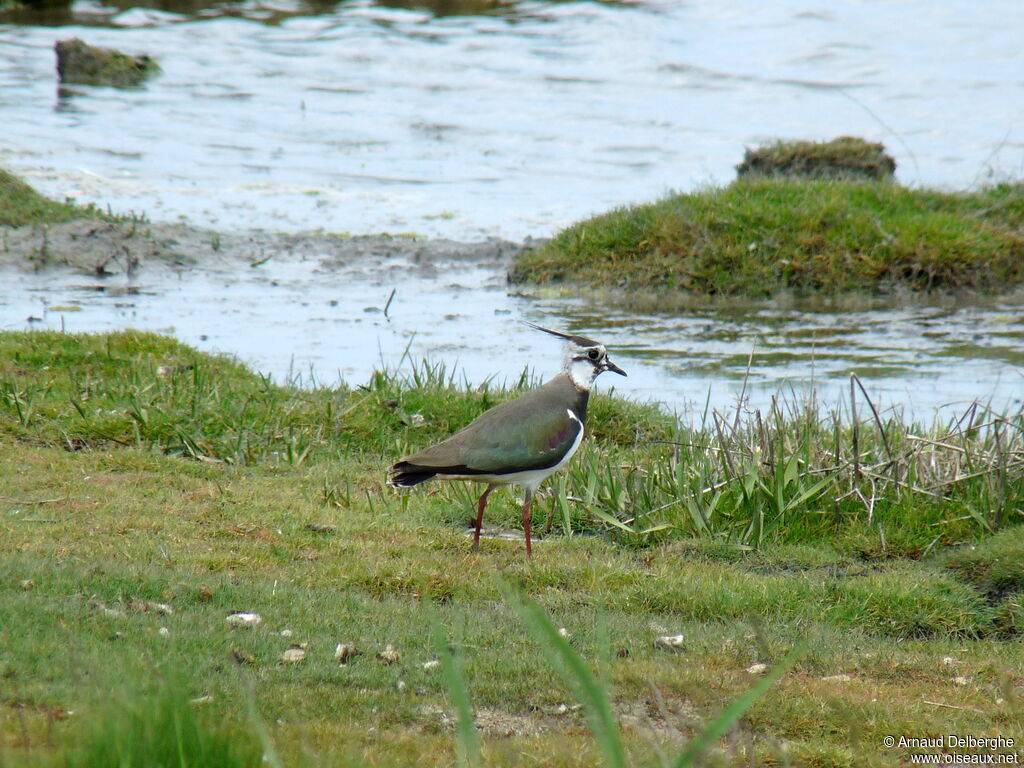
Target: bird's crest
column 579, row 341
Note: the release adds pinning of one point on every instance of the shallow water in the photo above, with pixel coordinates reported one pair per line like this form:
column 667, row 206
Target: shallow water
column 361, row 118
column 321, row 320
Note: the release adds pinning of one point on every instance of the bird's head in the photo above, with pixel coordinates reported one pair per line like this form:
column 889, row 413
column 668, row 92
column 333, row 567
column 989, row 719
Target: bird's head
column 585, row 359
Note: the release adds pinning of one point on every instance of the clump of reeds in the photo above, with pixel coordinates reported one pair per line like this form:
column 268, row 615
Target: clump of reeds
column 791, row 473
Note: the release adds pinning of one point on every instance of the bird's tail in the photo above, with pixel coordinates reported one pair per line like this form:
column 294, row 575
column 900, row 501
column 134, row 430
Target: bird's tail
column 406, row 475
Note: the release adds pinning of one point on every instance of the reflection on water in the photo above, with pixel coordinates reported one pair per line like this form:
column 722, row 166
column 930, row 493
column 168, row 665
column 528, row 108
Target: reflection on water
column 107, row 13
column 452, row 7
column 504, row 119
column 56, row 13
column 294, row 317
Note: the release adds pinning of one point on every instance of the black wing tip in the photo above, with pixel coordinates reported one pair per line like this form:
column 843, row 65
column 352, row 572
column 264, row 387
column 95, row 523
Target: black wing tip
column 406, row 475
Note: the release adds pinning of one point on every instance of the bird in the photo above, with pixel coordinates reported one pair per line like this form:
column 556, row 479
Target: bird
column 521, row 441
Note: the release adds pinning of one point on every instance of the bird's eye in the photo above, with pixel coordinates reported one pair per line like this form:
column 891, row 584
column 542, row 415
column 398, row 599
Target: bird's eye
column 592, row 354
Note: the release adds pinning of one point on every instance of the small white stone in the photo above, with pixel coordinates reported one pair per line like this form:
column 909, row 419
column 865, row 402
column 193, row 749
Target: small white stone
column 401, row 686
column 757, row 669
column 286, row 633
column 164, row 632
column 560, row 709
column 294, row 655
column 430, row 666
column 669, row 642
column 948, row 661
column 244, row 619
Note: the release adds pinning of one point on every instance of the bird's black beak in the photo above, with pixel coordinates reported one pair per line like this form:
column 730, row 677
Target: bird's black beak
column 610, row 366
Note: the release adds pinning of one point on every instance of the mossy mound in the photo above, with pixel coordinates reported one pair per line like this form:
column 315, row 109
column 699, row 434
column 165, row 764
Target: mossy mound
column 85, row 64
column 757, row 237
column 846, row 157
column 995, row 566
column 1009, row 616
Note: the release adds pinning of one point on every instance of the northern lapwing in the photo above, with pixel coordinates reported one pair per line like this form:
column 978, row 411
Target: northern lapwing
column 520, row 441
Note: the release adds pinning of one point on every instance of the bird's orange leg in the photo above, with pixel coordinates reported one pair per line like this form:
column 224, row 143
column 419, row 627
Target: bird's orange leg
column 527, row 515
column 480, row 516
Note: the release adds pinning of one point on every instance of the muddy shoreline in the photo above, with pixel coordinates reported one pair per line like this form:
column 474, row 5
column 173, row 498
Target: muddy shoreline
column 108, row 248
column 320, row 307
column 129, row 251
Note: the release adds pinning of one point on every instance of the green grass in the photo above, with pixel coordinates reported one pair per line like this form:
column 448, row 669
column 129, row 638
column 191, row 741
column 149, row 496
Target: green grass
column 163, row 730
column 21, row 205
column 996, row 565
column 761, row 236
column 146, row 390
column 139, row 473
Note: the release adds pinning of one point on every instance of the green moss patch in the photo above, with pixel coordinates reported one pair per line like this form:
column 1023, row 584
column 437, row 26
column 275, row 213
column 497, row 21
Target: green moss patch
column 78, row 62
column 761, row 236
column 995, row 566
column 843, row 158
column 910, row 602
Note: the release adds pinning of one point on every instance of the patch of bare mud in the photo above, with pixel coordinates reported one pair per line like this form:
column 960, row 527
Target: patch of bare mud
column 495, row 724
column 104, row 248
column 671, row 721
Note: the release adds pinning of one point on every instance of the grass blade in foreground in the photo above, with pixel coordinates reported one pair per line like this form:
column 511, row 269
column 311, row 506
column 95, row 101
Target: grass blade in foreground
column 721, row 724
column 159, row 729
column 573, row 670
column 270, row 756
column 469, row 739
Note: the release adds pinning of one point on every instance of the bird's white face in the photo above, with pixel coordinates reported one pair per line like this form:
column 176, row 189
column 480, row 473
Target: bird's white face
column 584, row 363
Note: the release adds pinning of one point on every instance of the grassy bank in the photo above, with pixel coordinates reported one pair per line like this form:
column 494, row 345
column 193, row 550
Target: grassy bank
column 21, row 205
column 151, row 490
column 760, row 236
